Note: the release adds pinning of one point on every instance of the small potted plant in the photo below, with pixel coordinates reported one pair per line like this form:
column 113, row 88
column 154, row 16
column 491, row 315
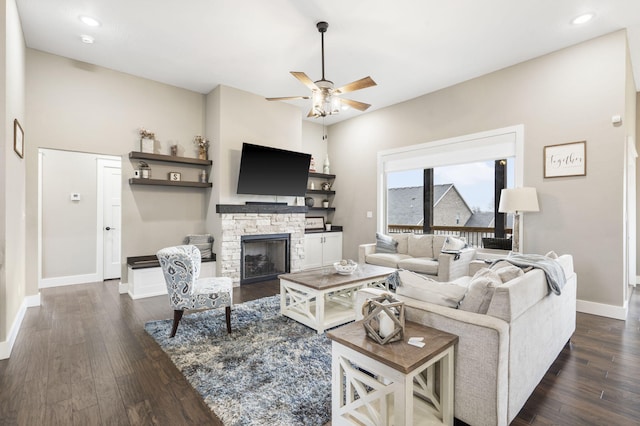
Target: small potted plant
column 325, row 203
column 327, row 226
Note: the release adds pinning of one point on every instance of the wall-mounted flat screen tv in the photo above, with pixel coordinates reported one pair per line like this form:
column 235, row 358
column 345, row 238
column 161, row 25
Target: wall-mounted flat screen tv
column 272, row 171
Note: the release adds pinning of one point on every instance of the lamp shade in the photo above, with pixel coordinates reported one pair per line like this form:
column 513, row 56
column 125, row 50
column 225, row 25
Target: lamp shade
column 518, row 200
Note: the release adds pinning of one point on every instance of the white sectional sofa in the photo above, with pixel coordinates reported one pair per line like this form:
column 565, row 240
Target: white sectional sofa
column 502, row 354
column 421, row 253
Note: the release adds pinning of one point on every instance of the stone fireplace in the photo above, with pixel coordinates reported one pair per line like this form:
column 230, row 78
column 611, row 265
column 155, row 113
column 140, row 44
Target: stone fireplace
column 258, row 220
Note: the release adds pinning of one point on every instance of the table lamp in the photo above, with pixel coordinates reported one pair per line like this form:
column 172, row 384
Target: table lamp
column 517, row 201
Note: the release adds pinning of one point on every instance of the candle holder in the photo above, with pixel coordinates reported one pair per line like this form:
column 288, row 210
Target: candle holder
column 384, row 319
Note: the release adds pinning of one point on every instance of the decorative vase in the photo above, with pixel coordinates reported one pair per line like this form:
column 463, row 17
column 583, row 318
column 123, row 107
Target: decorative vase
column 147, row 145
column 325, row 166
column 308, row 201
column 202, row 154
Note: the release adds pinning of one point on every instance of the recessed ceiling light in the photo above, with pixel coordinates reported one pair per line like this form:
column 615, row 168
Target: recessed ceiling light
column 583, row 19
column 88, row 20
column 87, row 39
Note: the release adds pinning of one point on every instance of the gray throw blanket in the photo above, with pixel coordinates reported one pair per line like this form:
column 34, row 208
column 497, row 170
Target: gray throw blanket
column 551, row 268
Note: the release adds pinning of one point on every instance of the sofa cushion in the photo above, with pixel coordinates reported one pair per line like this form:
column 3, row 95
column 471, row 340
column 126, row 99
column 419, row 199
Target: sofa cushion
column 506, row 271
column 421, row 245
column 423, row 265
column 452, row 244
column 438, row 243
column 428, row 290
column 390, row 260
column 403, row 242
column 480, row 292
column 385, row 244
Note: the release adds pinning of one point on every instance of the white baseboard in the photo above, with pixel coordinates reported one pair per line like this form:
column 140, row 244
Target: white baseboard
column 70, row 280
column 7, row 346
column 123, row 288
column 600, row 309
column 32, row 301
column 147, row 294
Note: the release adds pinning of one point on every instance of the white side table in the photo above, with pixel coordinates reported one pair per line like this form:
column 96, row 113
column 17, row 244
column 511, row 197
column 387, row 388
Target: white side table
column 380, row 384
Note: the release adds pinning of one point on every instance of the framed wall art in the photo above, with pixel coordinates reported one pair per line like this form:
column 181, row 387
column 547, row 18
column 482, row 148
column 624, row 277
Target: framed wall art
column 18, row 138
column 314, row 223
column 567, row 159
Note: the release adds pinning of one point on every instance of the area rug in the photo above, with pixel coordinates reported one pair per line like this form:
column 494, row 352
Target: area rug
column 270, row 370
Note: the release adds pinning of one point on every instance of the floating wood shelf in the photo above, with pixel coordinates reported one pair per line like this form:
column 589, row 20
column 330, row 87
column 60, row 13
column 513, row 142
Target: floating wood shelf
column 320, row 191
column 168, row 158
column 165, row 182
column 331, row 209
column 321, row 175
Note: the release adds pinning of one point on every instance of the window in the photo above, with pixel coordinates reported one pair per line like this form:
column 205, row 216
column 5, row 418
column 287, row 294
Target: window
column 463, row 195
column 460, row 177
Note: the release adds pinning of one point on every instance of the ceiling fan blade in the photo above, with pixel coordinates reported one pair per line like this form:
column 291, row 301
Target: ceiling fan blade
column 304, row 79
column 288, row 98
column 363, row 83
column 311, row 113
column 360, row 106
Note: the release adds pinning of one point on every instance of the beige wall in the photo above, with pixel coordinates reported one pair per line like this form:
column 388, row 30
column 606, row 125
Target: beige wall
column 566, row 96
column 234, row 116
column 80, row 107
column 12, row 173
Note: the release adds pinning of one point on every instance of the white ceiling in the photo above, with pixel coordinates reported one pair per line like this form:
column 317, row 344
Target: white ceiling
column 409, row 47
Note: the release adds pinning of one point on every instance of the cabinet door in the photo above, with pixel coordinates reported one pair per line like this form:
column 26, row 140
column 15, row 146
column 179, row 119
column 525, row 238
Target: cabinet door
column 332, row 248
column 313, row 250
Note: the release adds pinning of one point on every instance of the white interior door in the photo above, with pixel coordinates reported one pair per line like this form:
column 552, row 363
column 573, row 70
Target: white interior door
column 111, row 225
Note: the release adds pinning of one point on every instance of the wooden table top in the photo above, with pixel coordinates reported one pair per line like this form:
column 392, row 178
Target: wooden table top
column 398, row 355
column 327, row 277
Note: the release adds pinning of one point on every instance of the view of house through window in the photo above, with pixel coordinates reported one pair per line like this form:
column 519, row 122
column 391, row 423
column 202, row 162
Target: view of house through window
column 463, row 197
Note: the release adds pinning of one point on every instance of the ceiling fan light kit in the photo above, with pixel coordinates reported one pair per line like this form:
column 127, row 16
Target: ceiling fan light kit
column 324, row 97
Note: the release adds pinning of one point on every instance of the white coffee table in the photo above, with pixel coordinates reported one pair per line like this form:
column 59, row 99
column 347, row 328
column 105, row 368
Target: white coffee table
column 321, row 298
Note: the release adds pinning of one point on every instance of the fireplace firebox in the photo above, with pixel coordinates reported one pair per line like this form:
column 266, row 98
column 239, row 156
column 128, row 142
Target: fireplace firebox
column 263, row 257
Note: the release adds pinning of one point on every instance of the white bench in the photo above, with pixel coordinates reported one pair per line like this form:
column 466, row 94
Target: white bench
column 146, row 278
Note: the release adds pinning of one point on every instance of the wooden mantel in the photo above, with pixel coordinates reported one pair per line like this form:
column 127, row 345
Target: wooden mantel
column 260, row 208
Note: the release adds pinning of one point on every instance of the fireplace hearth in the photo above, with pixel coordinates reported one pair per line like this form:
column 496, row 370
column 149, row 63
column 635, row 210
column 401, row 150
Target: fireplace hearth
column 263, row 257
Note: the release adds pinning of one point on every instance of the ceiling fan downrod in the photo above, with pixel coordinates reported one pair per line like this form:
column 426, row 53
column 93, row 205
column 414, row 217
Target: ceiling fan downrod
column 322, row 27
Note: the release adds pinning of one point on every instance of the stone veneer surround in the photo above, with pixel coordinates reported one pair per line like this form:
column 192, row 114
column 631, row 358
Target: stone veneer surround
column 235, row 225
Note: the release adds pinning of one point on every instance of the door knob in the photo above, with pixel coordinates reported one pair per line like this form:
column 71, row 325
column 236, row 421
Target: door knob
column 109, row 228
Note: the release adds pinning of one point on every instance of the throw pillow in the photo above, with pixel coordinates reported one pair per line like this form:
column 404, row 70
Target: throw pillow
column 421, row 245
column 385, row 244
column 454, row 244
column 419, row 287
column 480, row 292
column 551, row 255
column 507, row 271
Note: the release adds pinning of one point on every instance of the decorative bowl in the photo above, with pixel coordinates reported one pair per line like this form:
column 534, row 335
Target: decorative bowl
column 345, row 268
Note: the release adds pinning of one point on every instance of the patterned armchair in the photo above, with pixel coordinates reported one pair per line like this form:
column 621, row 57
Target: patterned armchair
column 181, row 268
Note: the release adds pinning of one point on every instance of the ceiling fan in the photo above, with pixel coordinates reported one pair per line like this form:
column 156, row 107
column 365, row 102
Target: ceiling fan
column 324, row 95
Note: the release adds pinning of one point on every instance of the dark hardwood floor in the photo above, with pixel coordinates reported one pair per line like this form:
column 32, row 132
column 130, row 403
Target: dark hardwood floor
column 83, row 358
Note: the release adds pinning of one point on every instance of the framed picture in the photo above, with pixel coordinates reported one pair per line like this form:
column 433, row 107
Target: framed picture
column 175, row 176
column 18, row 138
column 314, row 223
column 567, row 159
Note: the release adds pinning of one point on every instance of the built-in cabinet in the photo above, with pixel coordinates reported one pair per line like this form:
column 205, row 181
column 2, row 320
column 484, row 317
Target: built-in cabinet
column 322, row 249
